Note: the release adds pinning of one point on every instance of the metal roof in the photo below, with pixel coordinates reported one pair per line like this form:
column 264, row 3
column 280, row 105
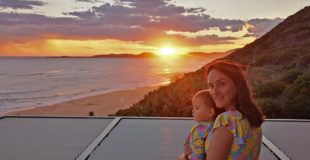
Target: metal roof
column 130, row 138
column 151, row 139
column 291, row 137
column 47, row 138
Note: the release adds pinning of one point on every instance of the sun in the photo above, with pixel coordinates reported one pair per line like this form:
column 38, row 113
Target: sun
column 166, row 51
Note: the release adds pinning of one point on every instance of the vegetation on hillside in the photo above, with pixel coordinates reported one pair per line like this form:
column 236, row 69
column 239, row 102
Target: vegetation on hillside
column 169, row 101
column 288, row 97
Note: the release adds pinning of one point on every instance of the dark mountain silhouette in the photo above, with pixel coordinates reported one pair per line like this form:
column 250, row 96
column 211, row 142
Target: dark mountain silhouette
column 125, row 55
column 278, row 66
column 153, row 55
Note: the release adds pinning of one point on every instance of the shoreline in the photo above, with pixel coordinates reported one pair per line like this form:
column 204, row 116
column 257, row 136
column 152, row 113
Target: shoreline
column 100, row 104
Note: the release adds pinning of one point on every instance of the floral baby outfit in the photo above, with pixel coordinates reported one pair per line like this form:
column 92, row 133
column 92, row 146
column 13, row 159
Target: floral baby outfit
column 195, row 140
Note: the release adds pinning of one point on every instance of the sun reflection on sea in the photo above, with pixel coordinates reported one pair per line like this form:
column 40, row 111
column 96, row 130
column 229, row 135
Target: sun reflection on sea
column 167, row 70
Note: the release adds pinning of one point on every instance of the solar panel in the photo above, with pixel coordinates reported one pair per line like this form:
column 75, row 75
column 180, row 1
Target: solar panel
column 47, row 138
column 65, row 138
column 266, row 154
column 150, row 139
column 292, row 138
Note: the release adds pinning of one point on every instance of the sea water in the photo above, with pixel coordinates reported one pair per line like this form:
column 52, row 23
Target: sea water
column 33, row 82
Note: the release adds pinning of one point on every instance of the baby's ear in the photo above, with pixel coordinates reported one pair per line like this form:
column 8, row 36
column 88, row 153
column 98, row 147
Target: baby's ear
column 212, row 113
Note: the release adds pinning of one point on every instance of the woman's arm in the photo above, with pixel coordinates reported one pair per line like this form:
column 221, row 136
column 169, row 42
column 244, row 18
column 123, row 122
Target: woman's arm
column 220, row 145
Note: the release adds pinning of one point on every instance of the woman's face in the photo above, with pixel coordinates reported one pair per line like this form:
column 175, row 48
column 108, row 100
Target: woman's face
column 222, row 90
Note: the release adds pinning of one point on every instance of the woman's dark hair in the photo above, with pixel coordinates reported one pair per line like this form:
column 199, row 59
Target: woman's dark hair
column 208, row 101
column 245, row 102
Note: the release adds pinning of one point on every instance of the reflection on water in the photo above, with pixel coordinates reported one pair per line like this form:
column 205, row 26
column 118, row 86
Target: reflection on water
column 165, row 83
column 27, row 82
column 178, row 64
column 167, row 70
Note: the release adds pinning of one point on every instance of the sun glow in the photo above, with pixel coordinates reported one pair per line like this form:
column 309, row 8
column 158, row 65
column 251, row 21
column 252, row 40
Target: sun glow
column 167, row 51
column 67, row 47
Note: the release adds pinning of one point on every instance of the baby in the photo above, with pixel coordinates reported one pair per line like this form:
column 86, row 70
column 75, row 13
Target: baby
column 204, row 113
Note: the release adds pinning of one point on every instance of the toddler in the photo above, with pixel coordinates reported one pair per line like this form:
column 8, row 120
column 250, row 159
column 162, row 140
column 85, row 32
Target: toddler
column 204, row 113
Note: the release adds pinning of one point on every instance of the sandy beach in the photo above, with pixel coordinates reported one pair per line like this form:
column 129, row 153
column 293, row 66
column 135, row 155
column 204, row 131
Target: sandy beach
column 101, row 105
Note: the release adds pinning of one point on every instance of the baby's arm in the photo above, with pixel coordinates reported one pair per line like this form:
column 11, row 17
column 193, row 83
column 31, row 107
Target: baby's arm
column 187, row 149
column 183, row 156
column 187, row 145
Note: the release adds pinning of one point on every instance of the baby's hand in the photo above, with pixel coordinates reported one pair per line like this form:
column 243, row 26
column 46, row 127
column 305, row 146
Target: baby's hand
column 182, row 156
column 188, row 150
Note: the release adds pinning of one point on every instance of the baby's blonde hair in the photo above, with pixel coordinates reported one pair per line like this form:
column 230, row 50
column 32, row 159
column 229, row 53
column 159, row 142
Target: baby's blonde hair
column 208, row 101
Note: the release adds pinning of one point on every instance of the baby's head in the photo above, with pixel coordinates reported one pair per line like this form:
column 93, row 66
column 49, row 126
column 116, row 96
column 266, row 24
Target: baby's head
column 204, row 108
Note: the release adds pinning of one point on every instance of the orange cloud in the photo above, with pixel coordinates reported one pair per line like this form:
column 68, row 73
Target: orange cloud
column 60, row 47
column 121, row 28
column 29, row 47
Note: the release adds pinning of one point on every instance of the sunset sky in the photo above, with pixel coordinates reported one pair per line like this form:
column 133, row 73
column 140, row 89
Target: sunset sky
column 91, row 27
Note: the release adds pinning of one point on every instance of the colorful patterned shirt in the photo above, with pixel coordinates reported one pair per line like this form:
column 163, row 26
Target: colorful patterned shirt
column 247, row 141
column 195, row 140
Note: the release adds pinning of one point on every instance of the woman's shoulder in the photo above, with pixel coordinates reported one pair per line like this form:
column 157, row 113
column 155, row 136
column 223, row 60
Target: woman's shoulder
column 233, row 120
column 236, row 123
column 234, row 113
column 229, row 116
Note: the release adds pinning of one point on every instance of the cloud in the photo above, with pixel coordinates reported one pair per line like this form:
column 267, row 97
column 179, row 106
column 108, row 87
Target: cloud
column 82, row 14
column 262, row 26
column 89, row 1
column 20, row 4
column 209, row 32
column 210, row 40
column 147, row 4
column 133, row 20
column 199, row 10
column 155, row 14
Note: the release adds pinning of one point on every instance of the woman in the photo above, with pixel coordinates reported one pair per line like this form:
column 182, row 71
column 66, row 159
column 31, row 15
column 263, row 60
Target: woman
column 237, row 132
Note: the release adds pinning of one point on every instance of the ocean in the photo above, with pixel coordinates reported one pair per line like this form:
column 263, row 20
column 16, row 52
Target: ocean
column 34, row 82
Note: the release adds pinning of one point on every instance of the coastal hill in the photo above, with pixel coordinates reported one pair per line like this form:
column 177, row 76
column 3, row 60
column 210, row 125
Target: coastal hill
column 125, row 55
column 278, row 66
column 284, row 45
column 153, row 55
column 211, row 55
